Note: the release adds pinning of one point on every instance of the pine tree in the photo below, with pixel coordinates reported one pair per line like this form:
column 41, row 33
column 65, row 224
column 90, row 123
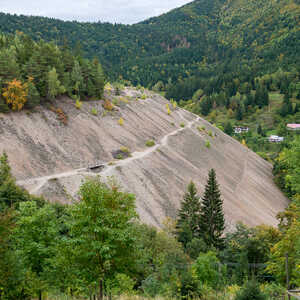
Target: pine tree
column 259, row 130
column 188, row 217
column 76, row 78
column 98, row 78
column 33, row 97
column 54, row 87
column 297, row 108
column 212, row 223
column 228, row 128
column 239, row 113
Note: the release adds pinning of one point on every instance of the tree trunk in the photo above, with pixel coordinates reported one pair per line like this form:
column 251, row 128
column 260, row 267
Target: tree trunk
column 101, row 290
column 40, row 295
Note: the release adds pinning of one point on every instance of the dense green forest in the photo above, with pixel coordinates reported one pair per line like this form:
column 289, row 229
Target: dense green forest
column 98, row 246
column 205, row 44
column 34, row 72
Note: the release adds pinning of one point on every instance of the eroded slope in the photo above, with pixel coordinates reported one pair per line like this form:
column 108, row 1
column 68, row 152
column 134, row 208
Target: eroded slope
column 52, row 159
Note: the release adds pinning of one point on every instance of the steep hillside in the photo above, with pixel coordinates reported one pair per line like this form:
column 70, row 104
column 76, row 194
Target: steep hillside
column 51, row 158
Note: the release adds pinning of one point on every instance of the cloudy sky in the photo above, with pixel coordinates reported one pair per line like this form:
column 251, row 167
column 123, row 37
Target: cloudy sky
column 119, row 11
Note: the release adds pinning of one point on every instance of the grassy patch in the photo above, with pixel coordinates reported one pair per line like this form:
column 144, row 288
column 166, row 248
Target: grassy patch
column 94, row 111
column 125, row 149
column 150, row 143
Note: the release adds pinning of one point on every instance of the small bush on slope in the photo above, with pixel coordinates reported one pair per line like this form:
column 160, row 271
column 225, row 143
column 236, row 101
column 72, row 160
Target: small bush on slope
column 251, row 291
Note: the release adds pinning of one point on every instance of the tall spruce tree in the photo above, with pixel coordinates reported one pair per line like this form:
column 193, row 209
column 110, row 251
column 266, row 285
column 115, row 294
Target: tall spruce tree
column 212, row 222
column 187, row 227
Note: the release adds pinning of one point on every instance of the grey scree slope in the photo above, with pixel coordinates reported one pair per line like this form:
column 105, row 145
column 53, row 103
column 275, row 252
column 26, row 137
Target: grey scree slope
column 50, row 158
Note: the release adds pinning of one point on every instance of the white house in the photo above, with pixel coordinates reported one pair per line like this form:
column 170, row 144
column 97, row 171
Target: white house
column 240, row 129
column 275, row 139
column 293, row 126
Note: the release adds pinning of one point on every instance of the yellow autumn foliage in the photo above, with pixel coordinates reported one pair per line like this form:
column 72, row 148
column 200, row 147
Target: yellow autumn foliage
column 15, row 94
column 121, row 121
column 168, row 109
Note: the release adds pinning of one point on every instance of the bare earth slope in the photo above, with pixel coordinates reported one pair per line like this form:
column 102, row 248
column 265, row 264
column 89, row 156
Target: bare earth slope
column 50, row 158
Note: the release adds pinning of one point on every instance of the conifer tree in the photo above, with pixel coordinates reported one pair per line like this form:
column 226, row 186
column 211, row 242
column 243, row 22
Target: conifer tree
column 98, row 77
column 259, row 130
column 212, row 223
column 76, row 78
column 33, row 97
column 54, row 87
column 228, row 128
column 239, row 113
column 188, row 216
column 297, row 108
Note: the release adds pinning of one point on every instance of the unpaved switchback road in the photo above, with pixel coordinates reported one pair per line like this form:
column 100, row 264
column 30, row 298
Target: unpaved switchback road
column 34, row 185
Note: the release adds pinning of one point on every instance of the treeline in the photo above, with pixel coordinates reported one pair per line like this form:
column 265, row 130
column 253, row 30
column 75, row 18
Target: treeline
column 243, row 98
column 287, row 169
column 98, row 246
column 32, row 72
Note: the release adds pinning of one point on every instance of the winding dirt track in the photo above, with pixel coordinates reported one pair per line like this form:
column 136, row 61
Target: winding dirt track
column 34, row 185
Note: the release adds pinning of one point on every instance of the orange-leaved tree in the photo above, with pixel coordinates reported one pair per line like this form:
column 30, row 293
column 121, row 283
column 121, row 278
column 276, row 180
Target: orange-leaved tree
column 16, row 94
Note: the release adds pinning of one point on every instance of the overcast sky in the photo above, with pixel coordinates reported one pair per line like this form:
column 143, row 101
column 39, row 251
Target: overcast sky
column 116, row 11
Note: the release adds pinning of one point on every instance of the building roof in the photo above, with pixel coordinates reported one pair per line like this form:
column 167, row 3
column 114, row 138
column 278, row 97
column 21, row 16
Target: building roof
column 293, row 126
column 275, row 137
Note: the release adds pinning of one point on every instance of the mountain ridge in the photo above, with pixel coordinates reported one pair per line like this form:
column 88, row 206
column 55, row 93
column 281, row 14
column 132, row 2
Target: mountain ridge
column 226, row 39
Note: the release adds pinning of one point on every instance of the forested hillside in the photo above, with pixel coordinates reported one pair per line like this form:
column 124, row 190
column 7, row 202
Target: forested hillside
column 209, row 42
column 32, row 72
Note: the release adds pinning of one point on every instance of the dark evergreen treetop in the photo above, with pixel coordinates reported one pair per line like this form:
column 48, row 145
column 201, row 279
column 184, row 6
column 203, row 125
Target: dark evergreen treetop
column 188, row 216
column 212, row 222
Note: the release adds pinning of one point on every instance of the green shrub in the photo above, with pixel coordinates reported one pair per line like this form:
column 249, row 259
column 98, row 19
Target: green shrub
column 210, row 134
column 124, row 100
column 251, row 291
column 208, row 270
column 121, row 121
column 78, row 104
column 125, row 149
column 122, row 284
column 272, row 290
column 116, row 101
column 120, row 156
column 182, row 125
column 94, row 111
column 143, row 97
column 150, row 143
column 207, row 144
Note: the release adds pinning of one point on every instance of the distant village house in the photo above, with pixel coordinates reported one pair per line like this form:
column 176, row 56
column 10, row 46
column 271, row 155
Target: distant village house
column 293, row 126
column 275, row 139
column 240, row 129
